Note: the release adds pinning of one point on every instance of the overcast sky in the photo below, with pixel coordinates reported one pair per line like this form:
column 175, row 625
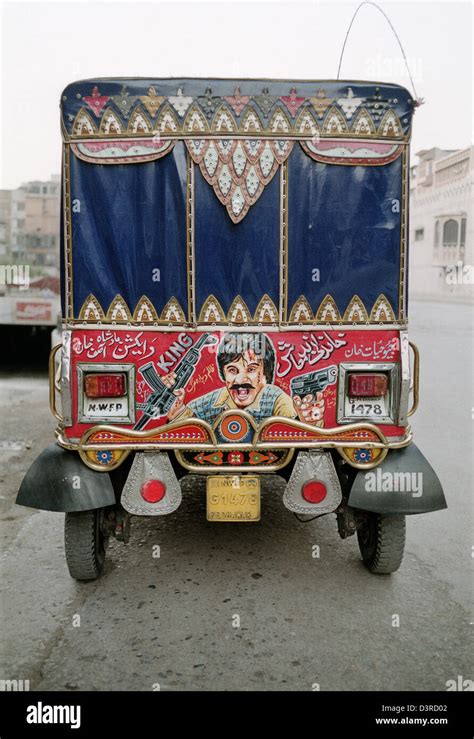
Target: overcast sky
column 47, row 45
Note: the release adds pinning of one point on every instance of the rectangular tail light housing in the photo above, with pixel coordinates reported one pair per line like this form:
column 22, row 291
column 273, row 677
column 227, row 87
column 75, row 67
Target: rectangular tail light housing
column 368, row 391
column 102, row 385
column 367, row 384
column 106, row 392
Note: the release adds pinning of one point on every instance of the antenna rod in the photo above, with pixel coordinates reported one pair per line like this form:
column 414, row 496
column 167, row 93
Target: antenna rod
column 368, row 2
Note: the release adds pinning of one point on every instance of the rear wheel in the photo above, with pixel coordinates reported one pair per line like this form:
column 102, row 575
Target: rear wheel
column 382, row 542
column 85, row 542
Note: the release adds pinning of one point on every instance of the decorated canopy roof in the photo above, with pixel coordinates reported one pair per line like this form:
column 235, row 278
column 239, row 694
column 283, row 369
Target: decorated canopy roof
column 110, row 108
column 209, row 143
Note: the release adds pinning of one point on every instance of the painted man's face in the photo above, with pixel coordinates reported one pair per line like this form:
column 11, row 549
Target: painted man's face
column 244, row 378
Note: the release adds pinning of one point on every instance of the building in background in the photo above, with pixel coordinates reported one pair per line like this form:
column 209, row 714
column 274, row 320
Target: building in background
column 441, row 224
column 5, row 223
column 29, row 240
column 29, row 226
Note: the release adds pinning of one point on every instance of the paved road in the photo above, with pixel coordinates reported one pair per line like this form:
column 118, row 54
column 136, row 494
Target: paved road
column 303, row 621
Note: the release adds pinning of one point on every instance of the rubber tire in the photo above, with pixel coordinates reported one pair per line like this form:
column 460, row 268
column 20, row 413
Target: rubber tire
column 85, row 544
column 382, row 542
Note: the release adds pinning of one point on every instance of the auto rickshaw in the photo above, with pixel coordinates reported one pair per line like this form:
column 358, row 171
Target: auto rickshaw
column 234, row 298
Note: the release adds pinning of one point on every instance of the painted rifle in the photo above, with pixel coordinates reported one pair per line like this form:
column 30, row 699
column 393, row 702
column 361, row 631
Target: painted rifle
column 163, row 397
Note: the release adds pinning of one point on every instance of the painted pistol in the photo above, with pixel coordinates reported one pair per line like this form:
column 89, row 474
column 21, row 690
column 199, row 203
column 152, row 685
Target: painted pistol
column 313, row 382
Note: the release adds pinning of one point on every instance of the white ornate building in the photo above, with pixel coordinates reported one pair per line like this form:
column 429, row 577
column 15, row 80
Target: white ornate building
column 441, row 224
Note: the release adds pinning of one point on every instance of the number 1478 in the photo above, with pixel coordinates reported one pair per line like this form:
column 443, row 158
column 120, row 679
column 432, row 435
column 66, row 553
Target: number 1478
column 366, row 409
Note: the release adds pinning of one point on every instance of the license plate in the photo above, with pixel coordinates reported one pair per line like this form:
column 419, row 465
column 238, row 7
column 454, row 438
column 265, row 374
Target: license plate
column 233, row 498
column 110, row 408
column 365, row 407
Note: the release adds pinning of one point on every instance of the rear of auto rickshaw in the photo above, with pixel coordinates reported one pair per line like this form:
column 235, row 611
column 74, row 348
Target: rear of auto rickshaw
column 234, row 299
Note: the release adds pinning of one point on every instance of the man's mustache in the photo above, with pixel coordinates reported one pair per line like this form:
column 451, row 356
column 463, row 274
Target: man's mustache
column 244, row 386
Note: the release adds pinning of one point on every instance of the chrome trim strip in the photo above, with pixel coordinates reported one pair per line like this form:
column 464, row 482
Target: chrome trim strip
column 53, row 385
column 416, row 378
column 66, row 399
column 264, row 327
column 386, row 444
column 405, row 374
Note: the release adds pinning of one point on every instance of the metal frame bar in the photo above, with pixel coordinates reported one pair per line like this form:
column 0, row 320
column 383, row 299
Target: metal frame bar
column 325, row 440
column 54, row 387
column 416, row 378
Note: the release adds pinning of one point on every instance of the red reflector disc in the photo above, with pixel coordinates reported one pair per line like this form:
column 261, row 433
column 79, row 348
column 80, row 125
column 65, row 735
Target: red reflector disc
column 153, row 491
column 314, row 491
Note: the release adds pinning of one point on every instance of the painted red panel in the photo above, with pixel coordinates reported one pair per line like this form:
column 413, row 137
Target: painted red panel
column 249, row 382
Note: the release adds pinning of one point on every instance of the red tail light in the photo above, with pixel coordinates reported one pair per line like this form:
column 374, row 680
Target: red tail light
column 104, row 386
column 365, row 385
column 314, row 491
column 153, row 491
